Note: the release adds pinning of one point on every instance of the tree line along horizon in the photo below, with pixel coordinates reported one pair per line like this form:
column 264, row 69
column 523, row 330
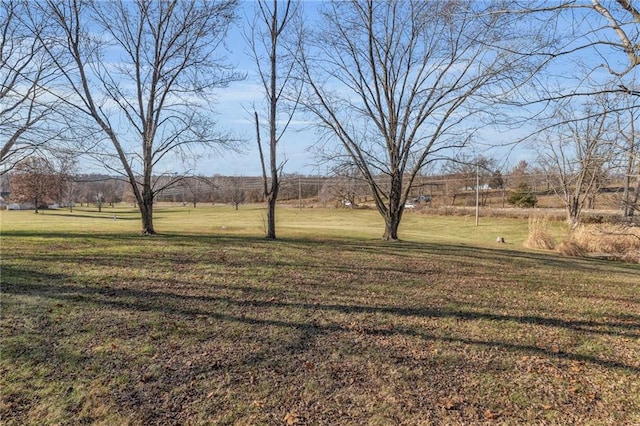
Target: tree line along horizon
column 402, row 96
column 523, row 186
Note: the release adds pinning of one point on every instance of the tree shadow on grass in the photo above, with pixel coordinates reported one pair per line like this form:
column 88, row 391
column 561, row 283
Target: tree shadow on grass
column 204, row 306
column 446, row 252
column 181, row 252
column 97, row 215
column 459, row 258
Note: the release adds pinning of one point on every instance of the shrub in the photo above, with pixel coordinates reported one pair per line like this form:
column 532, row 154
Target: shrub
column 539, row 236
column 617, row 241
column 522, row 197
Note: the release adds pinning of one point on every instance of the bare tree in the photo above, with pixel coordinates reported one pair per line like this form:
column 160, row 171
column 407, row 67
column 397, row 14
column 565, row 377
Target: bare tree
column 233, row 191
column 344, row 185
column 36, row 181
column 577, row 155
column 593, row 53
column 588, row 36
column 69, row 193
column 25, row 74
column 67, row 165
column 196, row 188
column 273, row 57
column 472, row 172
column 400, row 83
column 149, row 94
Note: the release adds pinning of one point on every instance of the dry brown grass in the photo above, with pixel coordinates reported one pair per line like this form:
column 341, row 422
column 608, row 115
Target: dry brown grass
column 570, row 248
column 539, row 236
column 217, row 326
column 617, row 241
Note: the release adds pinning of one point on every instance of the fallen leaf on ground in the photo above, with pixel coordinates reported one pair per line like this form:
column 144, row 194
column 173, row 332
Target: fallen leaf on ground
column 291, row 418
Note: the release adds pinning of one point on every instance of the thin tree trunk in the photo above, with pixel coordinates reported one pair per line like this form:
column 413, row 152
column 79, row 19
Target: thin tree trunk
column 629, row 198
column 271, row 217
column 633, row 202
column 626, row 194
column 573, row 212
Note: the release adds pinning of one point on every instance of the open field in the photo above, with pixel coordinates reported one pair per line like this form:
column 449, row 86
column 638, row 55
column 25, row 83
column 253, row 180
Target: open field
column 208, row 323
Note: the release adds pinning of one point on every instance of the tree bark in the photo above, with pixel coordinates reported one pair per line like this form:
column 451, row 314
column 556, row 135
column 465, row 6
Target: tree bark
column 635, row 197
column 573, row 212
column 394, row 209
column 391, row 224
column 271, row 217
column 146, row 210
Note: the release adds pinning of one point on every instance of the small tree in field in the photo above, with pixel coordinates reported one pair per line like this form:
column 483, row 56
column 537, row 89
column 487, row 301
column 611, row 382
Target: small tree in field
column 577, row 155
column 34, row 181
column 523, row 197
column 233, row 191
column 275, row 70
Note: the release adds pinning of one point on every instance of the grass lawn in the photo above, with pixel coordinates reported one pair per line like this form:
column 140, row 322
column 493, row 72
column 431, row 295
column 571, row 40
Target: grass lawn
column 208, row 323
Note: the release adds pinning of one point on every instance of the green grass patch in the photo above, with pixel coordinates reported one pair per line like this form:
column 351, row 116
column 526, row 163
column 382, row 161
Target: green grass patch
column 208, row 323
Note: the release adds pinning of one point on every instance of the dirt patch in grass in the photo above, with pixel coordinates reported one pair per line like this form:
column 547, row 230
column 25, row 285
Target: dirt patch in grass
column 236, row 330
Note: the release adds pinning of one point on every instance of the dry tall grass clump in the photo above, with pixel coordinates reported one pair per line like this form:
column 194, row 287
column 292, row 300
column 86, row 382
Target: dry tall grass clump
column 539, row 236
column 617, row 241
column 570, row 248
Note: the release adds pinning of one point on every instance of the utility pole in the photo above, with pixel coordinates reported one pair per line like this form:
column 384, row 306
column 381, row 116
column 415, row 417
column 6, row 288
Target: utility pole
column 300, row 192
column 477, row 193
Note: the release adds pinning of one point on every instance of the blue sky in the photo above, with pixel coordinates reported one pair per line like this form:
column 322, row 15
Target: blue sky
column 236, row 102
column 235, row 108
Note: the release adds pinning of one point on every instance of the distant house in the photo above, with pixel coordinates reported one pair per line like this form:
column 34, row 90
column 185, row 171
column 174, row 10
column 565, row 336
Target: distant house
column 422, row 199
column 16, row 206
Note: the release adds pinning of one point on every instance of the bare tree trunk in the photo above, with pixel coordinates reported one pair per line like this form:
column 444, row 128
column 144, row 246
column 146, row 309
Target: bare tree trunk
column 635, row 197
column 270, row 193
column 391, row 224
column 573, row 212
column 392, row 212
column 271, row 217
column 146, row 210
column 626, row 194
column 629, row 197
